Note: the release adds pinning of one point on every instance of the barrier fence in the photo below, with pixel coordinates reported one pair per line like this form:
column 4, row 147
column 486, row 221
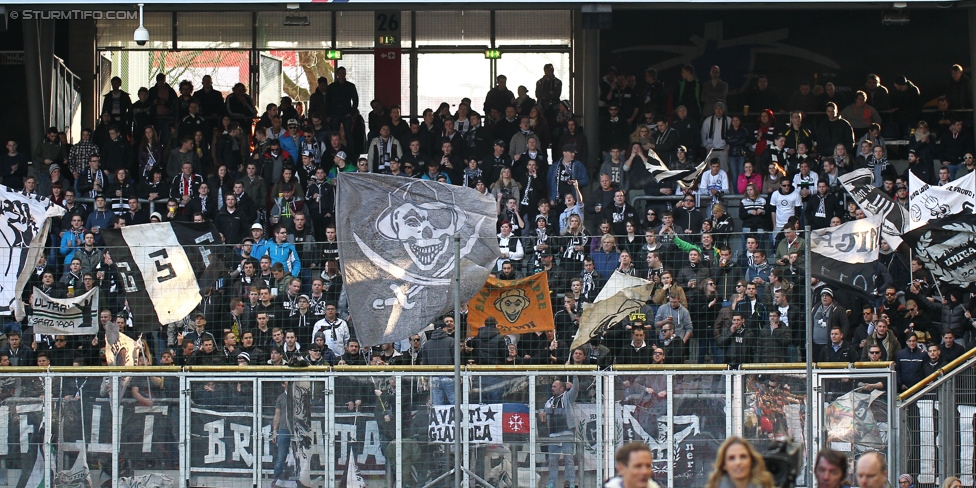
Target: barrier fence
column 936, row 425
column 227, row 427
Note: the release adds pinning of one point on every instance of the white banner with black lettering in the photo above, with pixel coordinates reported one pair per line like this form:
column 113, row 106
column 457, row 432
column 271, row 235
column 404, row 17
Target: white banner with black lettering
column 928, row 202
column 64, row 316
column 847, row 255
column 484, row 423
column 876, row 202
column 163, row 268
column 24, row 225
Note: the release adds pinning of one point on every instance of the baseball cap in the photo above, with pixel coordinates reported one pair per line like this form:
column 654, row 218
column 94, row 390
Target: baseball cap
column 341, row 155
column 257, row 226
column 292, row 122
column 308, row 152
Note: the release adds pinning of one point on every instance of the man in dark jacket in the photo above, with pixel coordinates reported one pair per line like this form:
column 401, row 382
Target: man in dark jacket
column 908, row 363
column 489, row 347
column 439, row 350
column 839, row 350
column 933, row 362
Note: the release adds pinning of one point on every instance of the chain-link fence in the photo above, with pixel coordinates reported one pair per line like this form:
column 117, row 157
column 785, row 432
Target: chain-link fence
column 388, row 426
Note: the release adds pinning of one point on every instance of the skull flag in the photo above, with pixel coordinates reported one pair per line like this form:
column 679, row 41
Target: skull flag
column 397, row 253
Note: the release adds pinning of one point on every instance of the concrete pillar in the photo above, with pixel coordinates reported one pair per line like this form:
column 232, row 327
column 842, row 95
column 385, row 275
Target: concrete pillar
column 83, row 62
column 587, row 87
column 33, row 62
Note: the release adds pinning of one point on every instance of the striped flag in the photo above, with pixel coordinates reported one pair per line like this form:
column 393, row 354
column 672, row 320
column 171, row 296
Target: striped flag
column 164, row 268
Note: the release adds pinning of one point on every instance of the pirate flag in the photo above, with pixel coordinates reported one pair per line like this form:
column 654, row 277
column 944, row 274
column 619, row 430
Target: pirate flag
column 397, row 250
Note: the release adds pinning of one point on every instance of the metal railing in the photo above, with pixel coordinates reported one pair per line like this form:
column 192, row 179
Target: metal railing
column 935, row 419
column 213, row 426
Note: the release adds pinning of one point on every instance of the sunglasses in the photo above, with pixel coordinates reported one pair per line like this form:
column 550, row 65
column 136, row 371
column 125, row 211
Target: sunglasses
column 874, row 352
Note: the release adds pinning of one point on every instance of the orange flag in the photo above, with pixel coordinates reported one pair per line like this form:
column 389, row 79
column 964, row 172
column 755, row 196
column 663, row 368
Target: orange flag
column 519, row 306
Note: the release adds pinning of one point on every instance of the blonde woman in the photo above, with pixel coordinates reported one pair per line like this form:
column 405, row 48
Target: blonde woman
column 738, row 465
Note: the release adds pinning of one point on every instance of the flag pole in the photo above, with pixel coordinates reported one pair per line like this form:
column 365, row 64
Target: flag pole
column 809, row 347
column 457, row 360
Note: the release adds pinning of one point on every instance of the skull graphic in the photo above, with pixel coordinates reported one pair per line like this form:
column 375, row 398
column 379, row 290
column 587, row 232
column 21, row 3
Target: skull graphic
column 512, row 303
column 423, row 226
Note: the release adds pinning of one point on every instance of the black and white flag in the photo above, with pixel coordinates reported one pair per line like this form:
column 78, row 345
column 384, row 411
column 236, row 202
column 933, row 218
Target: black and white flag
column 948, row 249
column 24, row 225
column 876, row 202
column 684, row 177
column 64, row 316
column 928, row 202
column 397, row 251
column 846, row 256
column 163, row 268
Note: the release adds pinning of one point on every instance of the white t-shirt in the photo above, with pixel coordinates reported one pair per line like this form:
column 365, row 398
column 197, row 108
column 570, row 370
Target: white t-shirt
column 785, row 206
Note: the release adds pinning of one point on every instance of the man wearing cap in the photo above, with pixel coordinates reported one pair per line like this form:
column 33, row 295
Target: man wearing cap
column 341, row 166
column 273, row 162
column 199, row 333
column 287, row 206
column 566, row 176
column 319, row 355
column 260, row 246
column 306, row 171
column 826, row 316
column 918, row 168
column 493, row 163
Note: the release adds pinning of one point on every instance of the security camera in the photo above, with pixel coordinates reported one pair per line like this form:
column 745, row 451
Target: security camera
column 141, row 35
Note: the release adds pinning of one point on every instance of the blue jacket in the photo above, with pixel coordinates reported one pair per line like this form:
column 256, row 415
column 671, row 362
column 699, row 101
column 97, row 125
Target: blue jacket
column 288, row 144
column 605, row 263
column 260, row 248
column 67, row 249
column 286, row 254
column 577, row 171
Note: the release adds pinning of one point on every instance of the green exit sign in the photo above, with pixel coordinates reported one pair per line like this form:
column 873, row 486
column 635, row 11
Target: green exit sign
column 333, row 54
column 493, row 54
column 387, row 41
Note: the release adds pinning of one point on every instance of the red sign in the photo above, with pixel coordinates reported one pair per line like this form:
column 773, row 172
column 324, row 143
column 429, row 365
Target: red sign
column 386, row 62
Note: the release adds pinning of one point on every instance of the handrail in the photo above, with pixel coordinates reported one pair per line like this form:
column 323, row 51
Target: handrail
column 670, row 367
column 945, row 370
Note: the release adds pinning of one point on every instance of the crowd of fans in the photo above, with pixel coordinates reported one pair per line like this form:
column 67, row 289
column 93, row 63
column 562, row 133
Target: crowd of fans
column 727, row 271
